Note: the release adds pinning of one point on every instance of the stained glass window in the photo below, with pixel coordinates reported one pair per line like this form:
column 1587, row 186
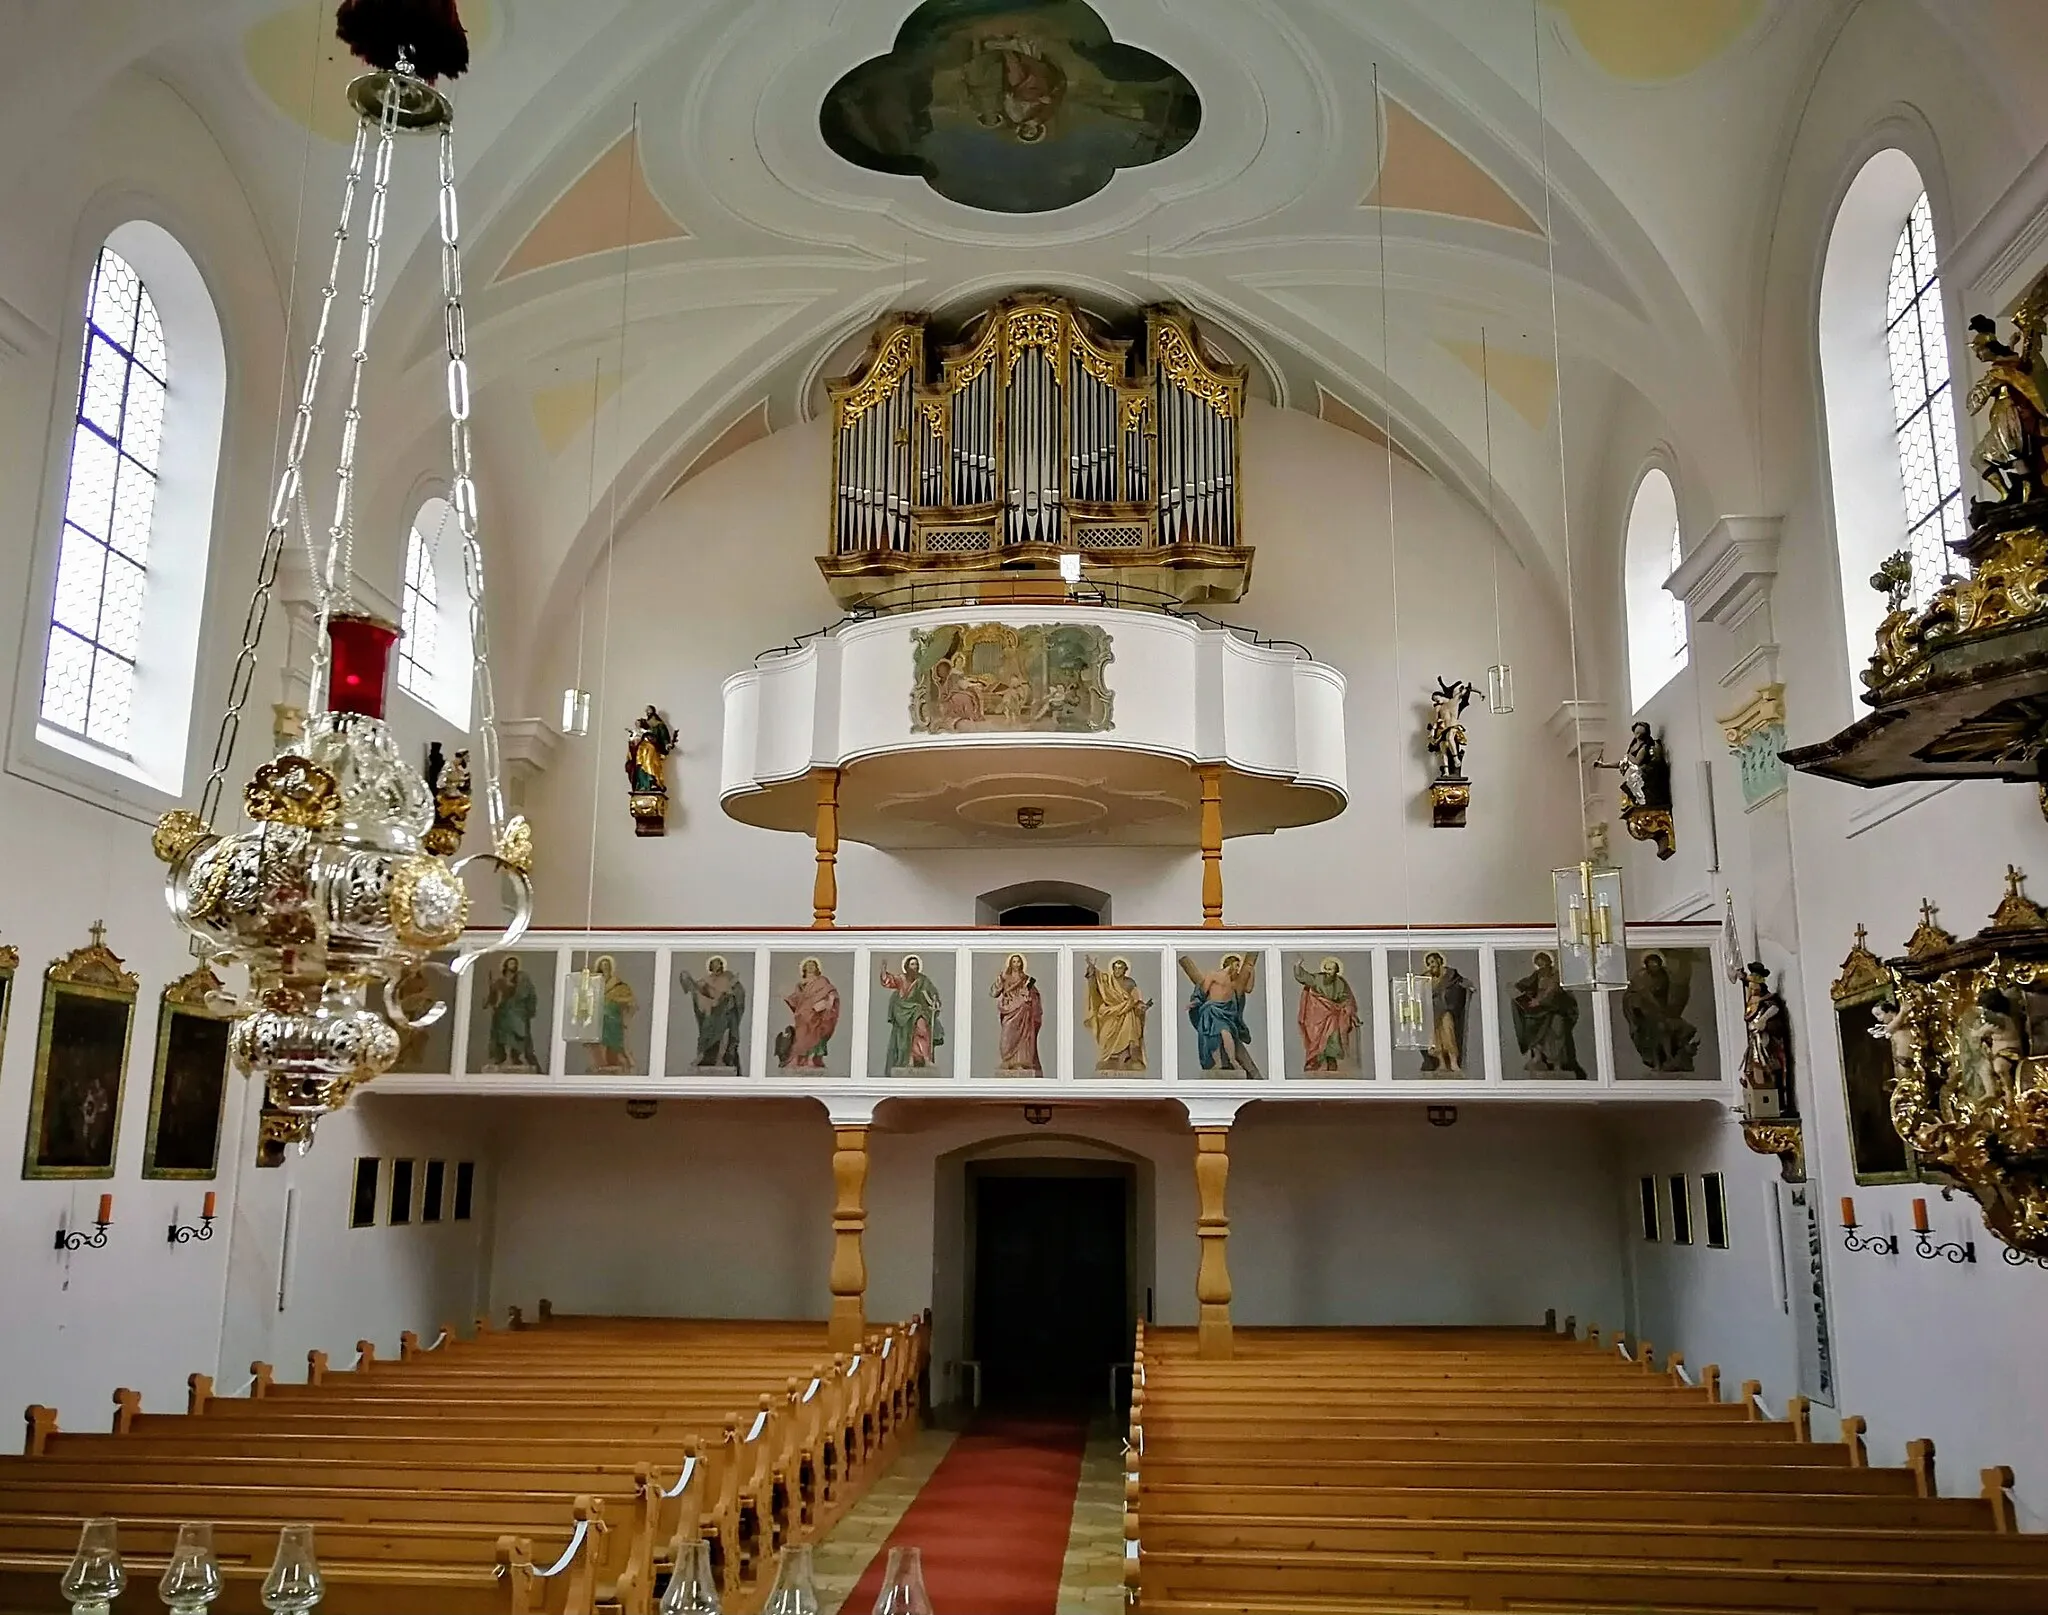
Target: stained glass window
column 419, row 644
column 109, row 508
column 1923, row 405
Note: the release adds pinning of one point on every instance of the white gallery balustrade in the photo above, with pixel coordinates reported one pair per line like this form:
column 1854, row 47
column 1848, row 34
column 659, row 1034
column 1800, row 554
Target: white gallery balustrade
column 1119, row 1012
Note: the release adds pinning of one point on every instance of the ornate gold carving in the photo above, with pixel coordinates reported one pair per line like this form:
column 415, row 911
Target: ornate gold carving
column 194, row 991
column 1182, row 364
column 961, row 372
column 900, row 348
column 1784, row 1139
column 1765, row 706
column 292, row 790
column 429, row 904
column 10, row 957
column 1448, row 802
column 2017, row 911
column 1863, row 973
column 1928, row 937
column 515, row 844
column 2008, row 586
column 1104, row 364
column 1135, row 411
column 1033, row 327
column 176, row 834
column 95, row 965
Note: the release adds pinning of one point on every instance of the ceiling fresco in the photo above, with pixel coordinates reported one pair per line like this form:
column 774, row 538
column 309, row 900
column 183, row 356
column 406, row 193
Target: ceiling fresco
column 1010, row 106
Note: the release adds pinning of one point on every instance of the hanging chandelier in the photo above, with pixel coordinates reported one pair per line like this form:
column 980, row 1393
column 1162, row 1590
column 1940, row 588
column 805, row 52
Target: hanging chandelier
column 345, row 884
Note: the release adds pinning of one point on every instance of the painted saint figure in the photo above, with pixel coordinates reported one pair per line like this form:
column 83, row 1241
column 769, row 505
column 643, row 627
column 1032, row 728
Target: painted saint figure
column 511, row 1004
column 1223, row 1038
column 1546, row 1019
column 1328, row 1018
column 916, row 1029
column 813, row 1018
column 617, row 1005
column 719, row 1001
column 1021, row 1012
column 1450, row 1005
column 1653, row 1006
column 1116, row 1016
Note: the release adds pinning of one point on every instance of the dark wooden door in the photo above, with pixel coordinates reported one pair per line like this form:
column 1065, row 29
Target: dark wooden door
column 1051, row 1285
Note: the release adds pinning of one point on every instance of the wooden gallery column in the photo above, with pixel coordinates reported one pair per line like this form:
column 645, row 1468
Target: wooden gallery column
column 1212, row 1229
column 825, row 889
column 1210, row 777
column 849, row 1223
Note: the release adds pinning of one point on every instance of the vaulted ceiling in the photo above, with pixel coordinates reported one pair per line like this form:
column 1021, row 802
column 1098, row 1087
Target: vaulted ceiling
column 665, row 253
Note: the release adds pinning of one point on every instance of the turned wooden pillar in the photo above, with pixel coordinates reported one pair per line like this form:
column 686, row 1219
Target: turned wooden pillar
column 849, row 1222
column 1211, row 777
column 1212, row 1228
column 825, row 890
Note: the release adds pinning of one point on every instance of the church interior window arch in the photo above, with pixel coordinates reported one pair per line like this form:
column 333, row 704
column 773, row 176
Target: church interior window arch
column 435, row 665
column 1657, row 642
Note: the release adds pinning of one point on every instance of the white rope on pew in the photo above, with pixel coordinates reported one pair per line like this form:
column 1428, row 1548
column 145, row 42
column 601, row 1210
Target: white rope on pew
column 760, row 1419
column 248, row 1385
column 853, row 1367
column 813, row 1391
column 568, row 1553
column 1684, row 1374
column 1762, row 1406
column 683, row 1480
column 440, row 1340
column 1622, row 1347
column 888, row 1346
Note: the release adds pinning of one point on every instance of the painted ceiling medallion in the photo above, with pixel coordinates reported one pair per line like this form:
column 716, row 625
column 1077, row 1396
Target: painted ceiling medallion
column 1010, row 106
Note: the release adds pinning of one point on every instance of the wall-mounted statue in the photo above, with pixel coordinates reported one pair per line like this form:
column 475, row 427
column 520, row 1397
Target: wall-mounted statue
column 1645, row 771
column 648, row 744
column 448, row 779
column 2013, row 455
column 1450, row 793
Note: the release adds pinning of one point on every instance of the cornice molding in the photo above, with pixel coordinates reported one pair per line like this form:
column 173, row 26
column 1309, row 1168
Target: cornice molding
column 1730, row 572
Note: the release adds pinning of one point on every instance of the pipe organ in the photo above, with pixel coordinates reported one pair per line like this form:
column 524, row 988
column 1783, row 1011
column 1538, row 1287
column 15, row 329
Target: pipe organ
column 1039, row 431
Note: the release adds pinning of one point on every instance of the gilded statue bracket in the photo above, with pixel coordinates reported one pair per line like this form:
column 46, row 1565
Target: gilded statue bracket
column 1784, row 1139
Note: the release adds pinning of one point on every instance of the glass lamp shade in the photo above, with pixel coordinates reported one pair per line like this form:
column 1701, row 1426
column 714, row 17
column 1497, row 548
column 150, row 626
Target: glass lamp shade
column 294, row 1583
column 903, row 1585
column 191, row 1581
column 582, row 1006
column 691, row 1587
column 95, row 1577
column 796, row 1587
column 575, row 711
column 1500, row 688
column 359, row 664
column 1592, row 948
column 1411, row 1011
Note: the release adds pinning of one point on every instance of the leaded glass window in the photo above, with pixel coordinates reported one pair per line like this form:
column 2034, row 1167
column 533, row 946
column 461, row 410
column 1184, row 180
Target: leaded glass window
column 95, row 634
column 1923, row 405
column 1674, row 608
column 419, row 644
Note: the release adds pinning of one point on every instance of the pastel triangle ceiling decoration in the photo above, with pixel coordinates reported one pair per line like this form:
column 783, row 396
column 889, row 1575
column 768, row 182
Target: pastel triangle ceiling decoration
column 1655, row 40
column 1525, row 382
column 561, row 412
column 1422, row 172
column 750, row 427
column 1332, row 409
column 592, row 215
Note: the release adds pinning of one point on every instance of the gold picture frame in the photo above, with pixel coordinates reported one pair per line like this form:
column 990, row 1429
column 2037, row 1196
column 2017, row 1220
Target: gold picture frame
column 10, row 961
column 188, row 1088
column 74, row 1110
column 1876, row 1152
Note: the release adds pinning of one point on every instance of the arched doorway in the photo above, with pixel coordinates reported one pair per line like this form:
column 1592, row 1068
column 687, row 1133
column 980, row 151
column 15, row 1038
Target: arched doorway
column 1049, row 904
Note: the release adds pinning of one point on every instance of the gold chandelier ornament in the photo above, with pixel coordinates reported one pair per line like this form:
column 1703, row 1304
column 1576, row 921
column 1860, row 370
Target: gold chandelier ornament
column 1970, row 1062
column 345, row 883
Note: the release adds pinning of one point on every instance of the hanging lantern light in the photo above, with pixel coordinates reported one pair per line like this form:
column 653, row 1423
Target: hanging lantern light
column 1500, row 688
column 1411, row 1011
column 1592, row 949
column 332, row 896
column 575, row 711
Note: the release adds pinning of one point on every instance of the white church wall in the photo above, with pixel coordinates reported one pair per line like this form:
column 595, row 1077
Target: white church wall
column 725, row 568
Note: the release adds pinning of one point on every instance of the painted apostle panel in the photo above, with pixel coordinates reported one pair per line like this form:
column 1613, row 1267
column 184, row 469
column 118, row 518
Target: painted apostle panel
column 812, row 1015
column 709, row 1013
column 512, row 1015
column 1664, row 1019
column 1546, row 1029
column 1117, row 1003
column 910, row 1022
column 1329, row 1027
column 1220, row 1037
column 1014, row 994
column 1452, row 1024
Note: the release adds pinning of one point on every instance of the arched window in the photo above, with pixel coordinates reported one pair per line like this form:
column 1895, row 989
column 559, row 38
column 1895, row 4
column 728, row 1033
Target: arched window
column 435, row 666
column 1656, row 617
column 1923, row 404
column 1891, row 426
column 132, row 516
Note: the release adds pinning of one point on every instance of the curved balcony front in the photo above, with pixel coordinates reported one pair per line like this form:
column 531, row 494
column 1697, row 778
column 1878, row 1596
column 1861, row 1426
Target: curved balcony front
column 979, row 724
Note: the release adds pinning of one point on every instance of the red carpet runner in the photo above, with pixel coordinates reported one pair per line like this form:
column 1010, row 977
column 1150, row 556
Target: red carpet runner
column 993, row 1520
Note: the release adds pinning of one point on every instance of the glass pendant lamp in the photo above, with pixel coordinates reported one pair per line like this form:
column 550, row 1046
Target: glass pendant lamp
column 294, row 1584
column 903, row 1585
column 1411, row 1011
column 691, row 1587
column 582, row 1006
column 796, row 1587
column 95, row 1578
column 1591, row 942
column 191, row 1581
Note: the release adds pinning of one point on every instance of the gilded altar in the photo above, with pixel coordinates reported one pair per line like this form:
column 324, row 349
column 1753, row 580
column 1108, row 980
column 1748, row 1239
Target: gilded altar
column 1038, row 432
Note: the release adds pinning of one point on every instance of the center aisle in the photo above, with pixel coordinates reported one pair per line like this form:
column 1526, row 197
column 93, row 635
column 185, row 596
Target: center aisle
column 993, row 1520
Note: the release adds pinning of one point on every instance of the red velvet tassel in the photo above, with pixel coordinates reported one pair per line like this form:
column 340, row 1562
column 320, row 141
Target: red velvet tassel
column 429, row 31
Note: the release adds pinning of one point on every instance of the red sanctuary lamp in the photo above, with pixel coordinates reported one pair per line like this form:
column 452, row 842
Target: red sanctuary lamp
column 343, row 894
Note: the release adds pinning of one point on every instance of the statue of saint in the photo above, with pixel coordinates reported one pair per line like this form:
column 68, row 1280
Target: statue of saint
column 813, row 1018
column 1447, row 704
column 1328, row 1017
column 2008, row 396
column 617, row 1005
column 1767, row 1090
column 1653, row 1006
column 1546, row 1016
column 1020, row 1012
column 510, row 1004
column 1116, row 1016
column 1223, row 1038
column 916, row 1029
column 719, row 1001
column 648, row 744
column 448, row 780
column 1645, row 771
column 1450, row 1006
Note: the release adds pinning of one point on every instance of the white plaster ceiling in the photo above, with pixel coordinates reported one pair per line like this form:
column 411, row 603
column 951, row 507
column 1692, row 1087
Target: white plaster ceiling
column 759, row 256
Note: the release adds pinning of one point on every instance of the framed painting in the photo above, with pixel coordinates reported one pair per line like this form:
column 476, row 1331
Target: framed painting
column 622, row 1039
column 189, row 1085
column 1546, row 1028
column 709, row 1024
column 1876, row 1152
column 1015, row 995
column 908, row 1026
column 427, row 1050
column 512, row 1015
column 1329, row 1033
column 1663, row 1020
column 1220, row 1012
column 74, row 1108
column 1116, row 997
column 813, row 996
column 1452, row 1021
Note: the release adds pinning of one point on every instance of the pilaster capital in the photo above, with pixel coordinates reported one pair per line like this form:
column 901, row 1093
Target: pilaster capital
column 1205, row 1113
column 529, row 744
column 1730, row 572
column 850, row 1110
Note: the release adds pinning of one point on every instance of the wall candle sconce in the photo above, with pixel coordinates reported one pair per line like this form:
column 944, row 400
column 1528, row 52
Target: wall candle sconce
column 78, row 1239
column 1925, row 1244
column 184, row 1233
column 2019, row 1258
column 1878, row 1244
